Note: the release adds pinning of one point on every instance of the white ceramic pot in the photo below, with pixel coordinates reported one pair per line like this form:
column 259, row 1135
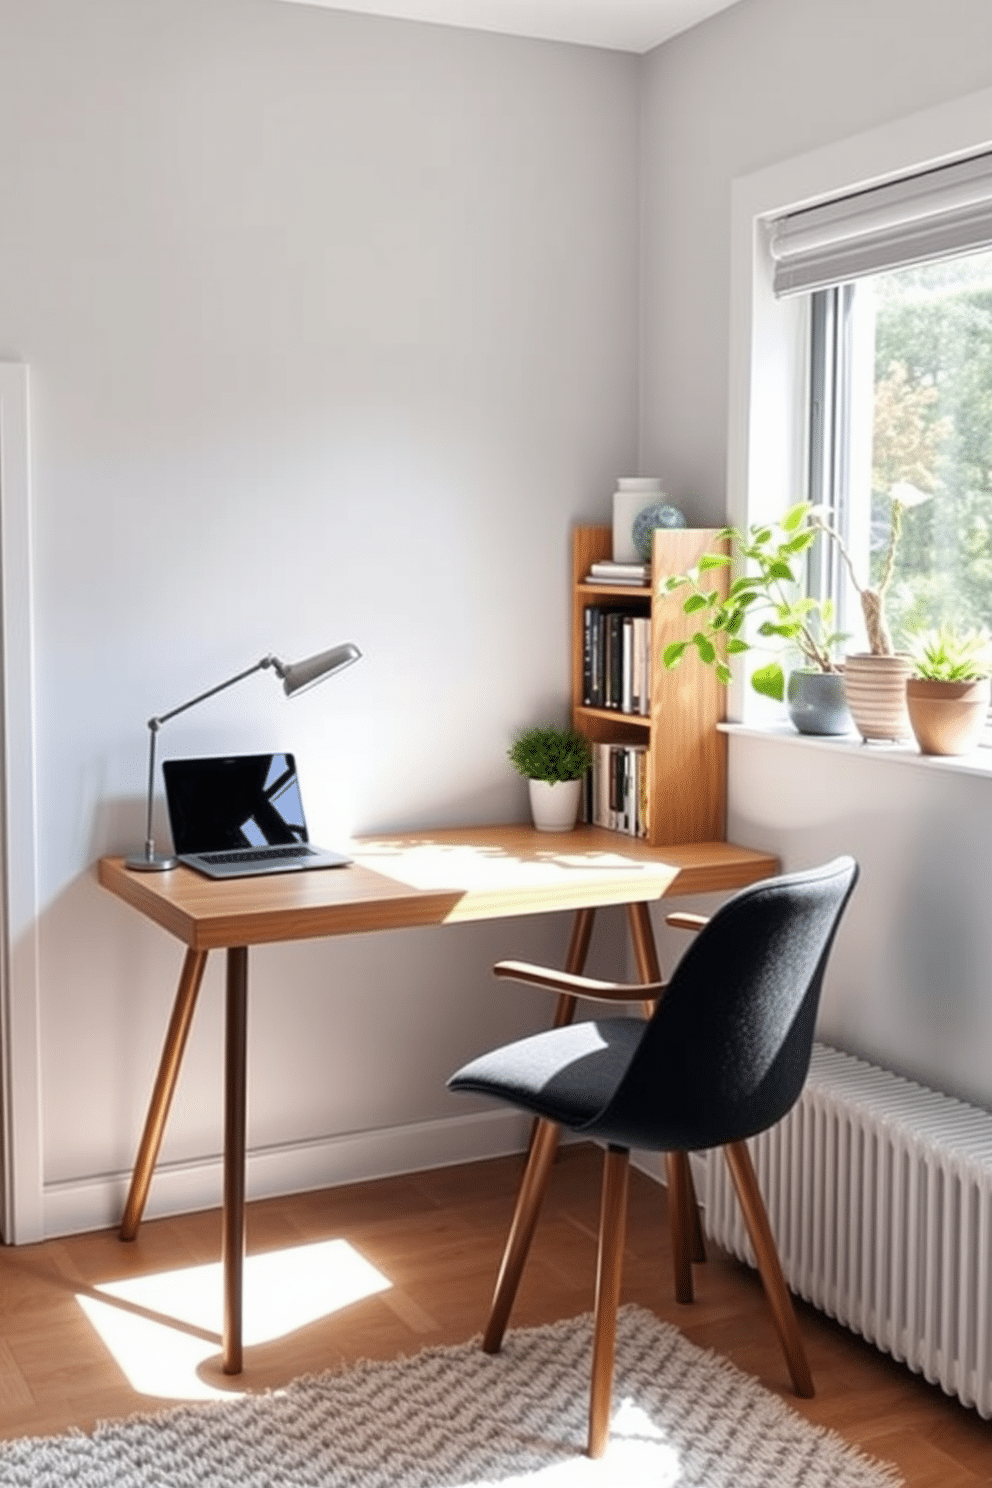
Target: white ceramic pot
column 554, row 805
column 875, row 688
column 632, row 495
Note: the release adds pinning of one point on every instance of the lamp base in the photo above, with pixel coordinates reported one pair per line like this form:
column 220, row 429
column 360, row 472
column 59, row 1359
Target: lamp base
column 155, row 863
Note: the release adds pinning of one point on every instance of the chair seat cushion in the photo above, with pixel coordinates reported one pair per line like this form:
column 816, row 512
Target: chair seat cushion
column 567, row 1074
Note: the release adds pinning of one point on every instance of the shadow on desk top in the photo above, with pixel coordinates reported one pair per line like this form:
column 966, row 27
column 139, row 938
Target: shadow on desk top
column 453, row 875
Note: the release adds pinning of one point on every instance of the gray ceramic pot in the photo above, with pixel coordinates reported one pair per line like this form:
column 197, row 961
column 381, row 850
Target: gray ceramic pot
column 817, row 704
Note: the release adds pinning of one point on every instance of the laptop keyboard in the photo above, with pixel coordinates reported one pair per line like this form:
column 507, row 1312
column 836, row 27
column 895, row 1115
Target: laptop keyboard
column 258, row 854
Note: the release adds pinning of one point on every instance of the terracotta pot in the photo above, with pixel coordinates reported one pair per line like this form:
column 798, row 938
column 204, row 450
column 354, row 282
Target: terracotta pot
column 875, row 688
column 947, row 717
column 555, row 805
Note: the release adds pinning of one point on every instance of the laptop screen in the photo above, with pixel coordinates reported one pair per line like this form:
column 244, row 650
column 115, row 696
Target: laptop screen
column 233, row 801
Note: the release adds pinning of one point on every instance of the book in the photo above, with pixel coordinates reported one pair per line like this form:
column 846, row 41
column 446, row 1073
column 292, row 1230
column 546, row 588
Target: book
column 627, row 664
column 627, row 582
column 605, row 568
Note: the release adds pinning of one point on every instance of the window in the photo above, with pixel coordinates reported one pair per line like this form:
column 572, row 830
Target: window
column 901, row 402
column 899, row 279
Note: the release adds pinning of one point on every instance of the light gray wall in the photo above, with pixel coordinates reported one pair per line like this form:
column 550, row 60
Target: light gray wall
column 333, row 326
column 766, row 81
column 332, row 330
column 759, row 83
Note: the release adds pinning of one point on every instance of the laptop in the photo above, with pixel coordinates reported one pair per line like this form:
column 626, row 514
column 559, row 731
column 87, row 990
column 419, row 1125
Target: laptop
column 234, row 816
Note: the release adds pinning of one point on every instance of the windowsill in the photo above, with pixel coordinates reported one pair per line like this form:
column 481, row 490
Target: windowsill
column 979, row 762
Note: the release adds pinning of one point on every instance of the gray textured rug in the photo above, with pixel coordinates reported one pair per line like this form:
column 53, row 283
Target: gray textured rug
column 458, row 1418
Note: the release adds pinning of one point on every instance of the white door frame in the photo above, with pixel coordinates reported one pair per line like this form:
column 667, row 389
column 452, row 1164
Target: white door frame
column 21, row 1218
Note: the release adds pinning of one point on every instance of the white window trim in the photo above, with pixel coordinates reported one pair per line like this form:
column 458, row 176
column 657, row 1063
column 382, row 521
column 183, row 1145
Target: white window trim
column 767, row 384
column 20, row 1076
column 977, row 762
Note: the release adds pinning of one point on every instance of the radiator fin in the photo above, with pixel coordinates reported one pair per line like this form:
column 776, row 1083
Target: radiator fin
column 879, row 1193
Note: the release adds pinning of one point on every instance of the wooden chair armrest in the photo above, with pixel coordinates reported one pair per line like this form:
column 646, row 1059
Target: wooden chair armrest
column 683, row 920
column 578, row 986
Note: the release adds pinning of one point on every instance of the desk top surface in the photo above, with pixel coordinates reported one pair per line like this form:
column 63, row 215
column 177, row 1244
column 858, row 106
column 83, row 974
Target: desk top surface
column 448, row 876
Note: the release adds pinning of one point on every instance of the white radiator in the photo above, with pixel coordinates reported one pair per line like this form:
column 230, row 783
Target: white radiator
column 879, row 1192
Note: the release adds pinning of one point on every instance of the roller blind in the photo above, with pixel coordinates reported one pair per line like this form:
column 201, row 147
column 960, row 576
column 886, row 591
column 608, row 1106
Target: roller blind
column 936, row 214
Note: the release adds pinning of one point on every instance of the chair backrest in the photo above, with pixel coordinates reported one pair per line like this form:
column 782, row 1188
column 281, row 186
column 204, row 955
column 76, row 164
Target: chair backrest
column 727, row 1051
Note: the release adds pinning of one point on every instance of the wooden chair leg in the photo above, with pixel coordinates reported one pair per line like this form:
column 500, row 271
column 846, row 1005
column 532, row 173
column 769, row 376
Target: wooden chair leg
column 760, row 1231
column 533, row 1186
column 612, row 1227
column 680, row 1197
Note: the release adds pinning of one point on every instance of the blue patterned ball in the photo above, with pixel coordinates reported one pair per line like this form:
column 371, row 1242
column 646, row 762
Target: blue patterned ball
column 660, row 514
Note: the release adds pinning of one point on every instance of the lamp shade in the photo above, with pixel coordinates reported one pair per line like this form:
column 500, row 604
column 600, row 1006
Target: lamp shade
column 298, row 675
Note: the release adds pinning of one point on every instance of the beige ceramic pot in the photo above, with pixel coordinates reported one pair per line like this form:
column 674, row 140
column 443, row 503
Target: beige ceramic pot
column 875, row 688
column 947, row 717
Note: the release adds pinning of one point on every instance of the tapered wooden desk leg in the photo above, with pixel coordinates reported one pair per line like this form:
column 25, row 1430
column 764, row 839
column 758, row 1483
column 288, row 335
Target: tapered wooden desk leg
column 235, row 1119
column 649, row 970
column 532, row 1189
column 575, row 960
column 165, row 1084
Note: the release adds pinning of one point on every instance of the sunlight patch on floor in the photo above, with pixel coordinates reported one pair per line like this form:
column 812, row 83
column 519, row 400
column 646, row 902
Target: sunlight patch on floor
column 161, row 1328
column 637, row 1456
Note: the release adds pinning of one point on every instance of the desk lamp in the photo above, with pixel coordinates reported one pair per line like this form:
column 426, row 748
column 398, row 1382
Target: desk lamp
column 296, row 676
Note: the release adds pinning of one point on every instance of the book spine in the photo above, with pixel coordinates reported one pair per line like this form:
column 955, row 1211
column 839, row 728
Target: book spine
column 627, row 664
column 640, row 791
column 614, row 699
column 603, row 806
column 596, row 659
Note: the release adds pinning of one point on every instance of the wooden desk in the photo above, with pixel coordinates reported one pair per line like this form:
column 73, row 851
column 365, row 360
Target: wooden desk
column 425, row 878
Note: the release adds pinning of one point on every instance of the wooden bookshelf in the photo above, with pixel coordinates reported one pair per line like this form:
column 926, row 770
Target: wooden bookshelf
column 687, row 755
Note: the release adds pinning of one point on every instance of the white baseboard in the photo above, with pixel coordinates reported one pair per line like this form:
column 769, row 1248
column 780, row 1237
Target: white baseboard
column 96, row 1203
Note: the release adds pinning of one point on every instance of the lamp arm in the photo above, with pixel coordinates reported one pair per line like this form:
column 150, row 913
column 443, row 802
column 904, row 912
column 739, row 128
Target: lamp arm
column 153, row 728
column 266, row 661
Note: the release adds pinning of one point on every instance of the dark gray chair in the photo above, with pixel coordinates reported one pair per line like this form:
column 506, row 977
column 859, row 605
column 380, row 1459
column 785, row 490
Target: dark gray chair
column 723, row 1056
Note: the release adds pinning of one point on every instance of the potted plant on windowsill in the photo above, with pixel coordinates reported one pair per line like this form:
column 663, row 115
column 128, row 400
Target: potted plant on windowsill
column 947, row 696
column 555, row 761
column 769, row 588
column 875, row 680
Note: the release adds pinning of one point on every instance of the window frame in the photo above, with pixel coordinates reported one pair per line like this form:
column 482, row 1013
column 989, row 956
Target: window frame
column 768, row 383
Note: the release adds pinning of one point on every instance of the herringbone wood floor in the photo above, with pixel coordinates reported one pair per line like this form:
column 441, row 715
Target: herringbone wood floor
column 437, row 1237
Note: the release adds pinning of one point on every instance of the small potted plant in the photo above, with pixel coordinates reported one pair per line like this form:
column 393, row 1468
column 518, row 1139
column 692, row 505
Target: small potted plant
column 947, row 696
column 554, row 760
column 768, row 588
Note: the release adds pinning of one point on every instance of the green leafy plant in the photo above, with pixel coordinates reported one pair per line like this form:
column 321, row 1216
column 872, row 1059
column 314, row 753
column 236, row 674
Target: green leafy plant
column 551, row 754
column 950, row 655
column 770, row 586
